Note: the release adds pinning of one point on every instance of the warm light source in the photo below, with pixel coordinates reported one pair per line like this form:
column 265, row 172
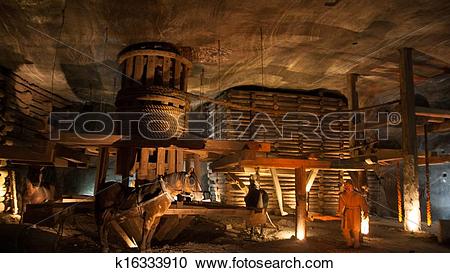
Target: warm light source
column 300, row 235
column 364, row 225
column 412, row 219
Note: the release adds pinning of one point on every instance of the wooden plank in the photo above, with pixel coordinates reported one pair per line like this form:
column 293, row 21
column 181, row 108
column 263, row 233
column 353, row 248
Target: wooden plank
column 300, row 200
column 123, row 235
column 432, row 112
column 171, row 159
column 310, row 180
column 161, row 162
column 71, row 139
column 409, row 142
column 278, row 191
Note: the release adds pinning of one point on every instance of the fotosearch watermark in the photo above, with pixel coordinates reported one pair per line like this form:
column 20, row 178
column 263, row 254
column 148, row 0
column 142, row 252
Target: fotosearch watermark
column 223, row 125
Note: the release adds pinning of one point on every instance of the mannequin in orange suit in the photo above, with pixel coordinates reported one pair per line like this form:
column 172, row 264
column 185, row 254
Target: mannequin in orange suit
column 351, row 204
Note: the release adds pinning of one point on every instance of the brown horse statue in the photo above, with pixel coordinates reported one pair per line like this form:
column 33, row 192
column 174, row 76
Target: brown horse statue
column 151, row 200
column 39, row 186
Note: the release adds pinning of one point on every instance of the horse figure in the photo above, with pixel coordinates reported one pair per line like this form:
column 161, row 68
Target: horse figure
column 39, row 186
column 258, row 200
column 151, row 200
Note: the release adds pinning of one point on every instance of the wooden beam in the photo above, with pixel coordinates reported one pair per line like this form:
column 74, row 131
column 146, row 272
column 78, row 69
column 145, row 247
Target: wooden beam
column 23, row 154
column 310, row 180
column 278, row 191
column 230, row 146
column 102, row 168
column 69, row 154
column 409, row 142
column 435, row 128
column 71, row 139
column 290, row 163
column 432, row 112
column 194, row 210
column 123, row 235
column 300, row 199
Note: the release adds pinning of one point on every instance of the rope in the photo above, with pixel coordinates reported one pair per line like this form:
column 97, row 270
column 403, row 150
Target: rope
column 399, row 195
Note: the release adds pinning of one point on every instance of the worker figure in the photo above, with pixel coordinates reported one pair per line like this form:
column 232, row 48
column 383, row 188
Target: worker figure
column 351, row 204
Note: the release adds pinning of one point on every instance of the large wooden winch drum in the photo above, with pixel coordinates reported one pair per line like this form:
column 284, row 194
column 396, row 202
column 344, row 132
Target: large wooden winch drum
column 154, row 82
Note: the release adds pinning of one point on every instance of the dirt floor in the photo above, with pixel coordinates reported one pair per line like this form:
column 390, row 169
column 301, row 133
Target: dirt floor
column 221, row 235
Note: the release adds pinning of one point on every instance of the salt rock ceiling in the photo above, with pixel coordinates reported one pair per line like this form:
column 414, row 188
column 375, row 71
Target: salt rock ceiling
column 70, row 47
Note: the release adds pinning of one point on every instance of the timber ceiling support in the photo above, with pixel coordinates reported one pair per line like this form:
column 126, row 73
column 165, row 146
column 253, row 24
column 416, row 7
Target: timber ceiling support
column 409, row 142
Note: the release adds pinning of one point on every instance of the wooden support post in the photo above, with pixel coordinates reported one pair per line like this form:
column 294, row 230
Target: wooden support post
column 129, row 241
column 161, row 162
column 180, row 160
column 102, row 167
column 14, row 205
column 143, row 163
column 300, row 190
column 171, row 159
column 410, row 171
column 278, row 191
column 310, row 180
column 359, row 179
column 427, row 175
column 197, row 166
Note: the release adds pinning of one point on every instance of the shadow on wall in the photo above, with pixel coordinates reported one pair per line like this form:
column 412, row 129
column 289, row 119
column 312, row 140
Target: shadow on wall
column 75, row 181
column 440, row 191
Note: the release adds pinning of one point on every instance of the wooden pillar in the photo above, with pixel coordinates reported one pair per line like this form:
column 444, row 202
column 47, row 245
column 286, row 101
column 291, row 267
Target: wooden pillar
column 13, row 184
column 143, row 163
column 399, row 193
column 412, row 218
column 102, row 167
column 300, row 198
column 171, row 159
column 180, row 160
column 161, row 162
column 358, row 179
column 427, row 176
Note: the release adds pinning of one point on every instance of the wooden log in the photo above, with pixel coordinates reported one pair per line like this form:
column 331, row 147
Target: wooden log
column 300, row 210
column 123, row 235
column 310, row 180
column 278, row 191
column 180, row 160
column 171, row 159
